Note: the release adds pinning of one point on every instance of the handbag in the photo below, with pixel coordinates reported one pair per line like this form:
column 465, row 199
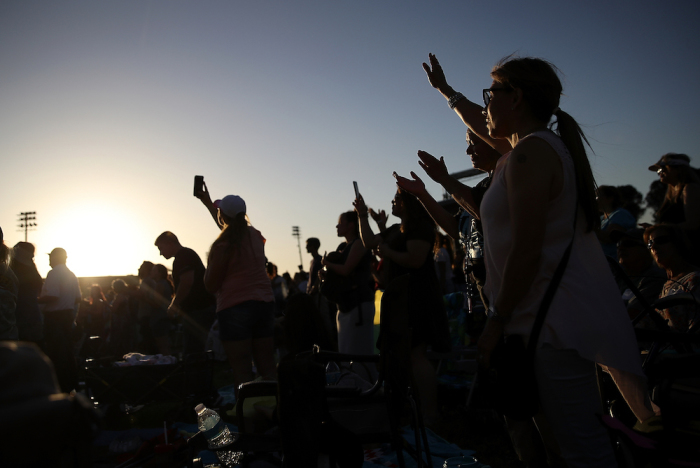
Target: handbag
column 511, row 378
column 335, row 287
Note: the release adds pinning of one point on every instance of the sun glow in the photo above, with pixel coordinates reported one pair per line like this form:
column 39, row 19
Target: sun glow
column 100, row 240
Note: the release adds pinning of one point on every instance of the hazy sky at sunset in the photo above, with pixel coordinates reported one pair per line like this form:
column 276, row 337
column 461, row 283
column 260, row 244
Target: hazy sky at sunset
column 108, row 109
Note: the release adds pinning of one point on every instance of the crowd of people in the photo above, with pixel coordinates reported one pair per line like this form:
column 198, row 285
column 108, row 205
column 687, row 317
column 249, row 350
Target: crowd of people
column 537, row 218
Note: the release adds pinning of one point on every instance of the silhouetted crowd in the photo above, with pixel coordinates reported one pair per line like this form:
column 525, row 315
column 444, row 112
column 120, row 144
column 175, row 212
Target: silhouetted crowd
column 496, row 248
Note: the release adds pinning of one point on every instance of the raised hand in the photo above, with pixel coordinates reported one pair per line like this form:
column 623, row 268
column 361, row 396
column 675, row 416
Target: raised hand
column 436, row 76
column 379, row 217
column 360, row 206
column 414, row 186
column 435, row 168
column 203, row 194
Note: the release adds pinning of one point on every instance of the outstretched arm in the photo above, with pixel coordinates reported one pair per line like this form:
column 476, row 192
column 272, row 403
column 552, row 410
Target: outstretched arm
column 437, row 170
column 470, row 112
column 369, row 239
column 205, row 198
column 439, row 214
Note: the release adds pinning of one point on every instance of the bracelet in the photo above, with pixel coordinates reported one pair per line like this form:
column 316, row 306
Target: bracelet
column 362, row 216
column 452, row 102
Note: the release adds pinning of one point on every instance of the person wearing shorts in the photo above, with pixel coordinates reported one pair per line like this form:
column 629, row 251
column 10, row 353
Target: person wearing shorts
column 244, row 300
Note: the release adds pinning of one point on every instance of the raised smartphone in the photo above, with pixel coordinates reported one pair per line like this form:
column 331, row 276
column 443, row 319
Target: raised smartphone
column 198, row 184
column 357, row 191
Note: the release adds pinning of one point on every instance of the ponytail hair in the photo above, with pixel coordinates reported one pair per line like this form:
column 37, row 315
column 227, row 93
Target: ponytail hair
column 541, row 88
column 235, row 229
column 573, row 137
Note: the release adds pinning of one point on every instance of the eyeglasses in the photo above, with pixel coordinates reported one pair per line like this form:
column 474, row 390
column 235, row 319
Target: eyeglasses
column 488, row 94
column 661, row 240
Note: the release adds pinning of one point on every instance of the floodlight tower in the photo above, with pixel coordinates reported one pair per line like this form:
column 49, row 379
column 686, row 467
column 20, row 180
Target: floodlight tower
column 26, row 222
column 296, row 233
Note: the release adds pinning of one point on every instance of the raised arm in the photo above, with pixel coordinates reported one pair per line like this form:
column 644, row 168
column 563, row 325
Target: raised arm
column 437, row 170
column 369, row 239
column 439, row 214
column 469, row 112
column 205, row 198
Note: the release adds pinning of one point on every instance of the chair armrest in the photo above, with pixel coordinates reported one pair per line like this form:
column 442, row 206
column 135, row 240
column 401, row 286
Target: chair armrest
column 252, row 390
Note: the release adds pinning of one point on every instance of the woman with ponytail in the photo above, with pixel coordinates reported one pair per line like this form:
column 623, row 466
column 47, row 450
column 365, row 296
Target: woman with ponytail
column 542, row 198
column 244, row 300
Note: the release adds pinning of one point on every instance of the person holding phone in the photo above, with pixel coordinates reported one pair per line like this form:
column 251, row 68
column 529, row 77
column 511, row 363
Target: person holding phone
column 245, row 304
column 355, row 315
column 202, row 192
column 406, row 248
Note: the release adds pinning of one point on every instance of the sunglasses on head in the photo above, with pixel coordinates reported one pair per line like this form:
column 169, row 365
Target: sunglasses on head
column 661, row 240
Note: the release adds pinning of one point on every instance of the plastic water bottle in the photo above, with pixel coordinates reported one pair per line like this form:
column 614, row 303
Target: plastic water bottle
column 217, row 434
column 332, row 373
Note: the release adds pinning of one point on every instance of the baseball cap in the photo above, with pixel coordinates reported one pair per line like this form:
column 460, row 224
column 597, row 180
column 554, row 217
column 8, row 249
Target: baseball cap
column 231, row 205
column 671, row 159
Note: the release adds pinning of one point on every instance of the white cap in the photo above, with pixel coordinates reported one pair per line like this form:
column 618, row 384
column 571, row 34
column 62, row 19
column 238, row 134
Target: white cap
column 231, row 205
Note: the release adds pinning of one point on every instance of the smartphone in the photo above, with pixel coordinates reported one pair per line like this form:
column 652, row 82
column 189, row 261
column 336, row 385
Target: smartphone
column 357, row 191
column 198, row 184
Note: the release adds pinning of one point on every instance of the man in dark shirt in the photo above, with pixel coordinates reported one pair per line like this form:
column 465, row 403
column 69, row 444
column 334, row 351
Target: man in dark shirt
column 191, row 298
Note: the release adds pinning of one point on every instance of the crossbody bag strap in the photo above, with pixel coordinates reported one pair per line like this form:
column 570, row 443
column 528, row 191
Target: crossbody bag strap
column 551, row 290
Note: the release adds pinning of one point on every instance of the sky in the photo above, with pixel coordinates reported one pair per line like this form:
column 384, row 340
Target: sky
column 109, row 109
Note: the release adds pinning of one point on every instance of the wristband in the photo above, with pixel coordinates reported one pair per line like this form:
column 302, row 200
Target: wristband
column 452, row 102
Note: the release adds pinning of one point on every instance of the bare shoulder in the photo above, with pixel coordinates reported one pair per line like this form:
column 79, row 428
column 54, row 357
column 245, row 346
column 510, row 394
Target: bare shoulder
column 533, row 150
column 534, row 166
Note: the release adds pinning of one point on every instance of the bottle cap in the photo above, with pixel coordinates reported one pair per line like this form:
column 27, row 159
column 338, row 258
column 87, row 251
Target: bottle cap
column 199, row 407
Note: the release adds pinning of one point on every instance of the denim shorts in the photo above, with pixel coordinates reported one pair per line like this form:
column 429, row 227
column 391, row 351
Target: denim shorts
column 250, row 319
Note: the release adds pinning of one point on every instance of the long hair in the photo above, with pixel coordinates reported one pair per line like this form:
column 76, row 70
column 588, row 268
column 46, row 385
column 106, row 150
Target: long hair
column 542, row 89
column 415, row 214
column 352, row 217
column 235, row 229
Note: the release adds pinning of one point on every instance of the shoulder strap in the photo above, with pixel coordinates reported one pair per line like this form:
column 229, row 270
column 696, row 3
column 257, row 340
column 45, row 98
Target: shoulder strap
column 551, row 290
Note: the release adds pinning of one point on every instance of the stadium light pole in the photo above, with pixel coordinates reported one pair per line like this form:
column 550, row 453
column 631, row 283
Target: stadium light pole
column 26, row 222
column 296, row 233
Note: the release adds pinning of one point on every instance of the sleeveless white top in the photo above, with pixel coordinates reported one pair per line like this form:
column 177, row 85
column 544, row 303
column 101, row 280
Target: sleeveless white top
column 586, row 314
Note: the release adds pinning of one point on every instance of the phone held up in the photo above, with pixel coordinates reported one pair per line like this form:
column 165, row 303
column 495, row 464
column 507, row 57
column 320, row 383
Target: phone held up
column 198, row 184
column 357, row 191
